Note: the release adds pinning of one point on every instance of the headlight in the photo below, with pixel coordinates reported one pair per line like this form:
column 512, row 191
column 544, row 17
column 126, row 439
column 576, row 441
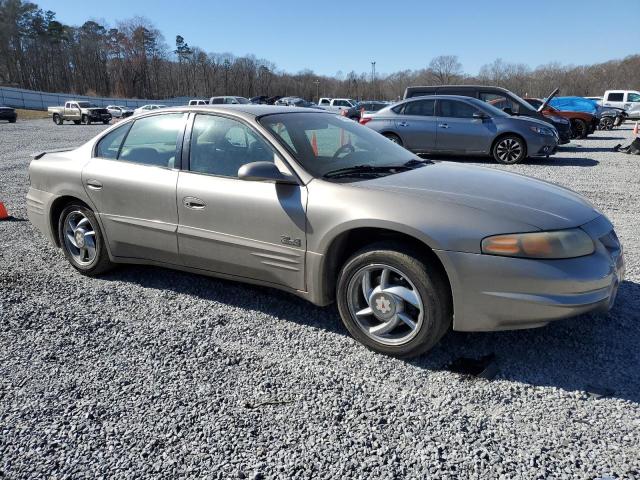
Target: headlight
column 541, row 130
column 558, row 244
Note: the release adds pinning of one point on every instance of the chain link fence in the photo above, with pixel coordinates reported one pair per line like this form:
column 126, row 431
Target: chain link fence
column 34, row 100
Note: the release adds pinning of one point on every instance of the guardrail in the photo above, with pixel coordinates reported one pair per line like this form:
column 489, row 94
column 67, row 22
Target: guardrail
column 35, row 100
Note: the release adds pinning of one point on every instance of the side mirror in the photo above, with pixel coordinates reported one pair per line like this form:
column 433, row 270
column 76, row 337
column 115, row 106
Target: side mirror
column 264, row 172
column 480, row 115
column 507, row 110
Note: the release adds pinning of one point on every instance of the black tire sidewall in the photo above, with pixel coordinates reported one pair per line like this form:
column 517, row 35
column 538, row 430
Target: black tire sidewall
column 393, row 138
column 581, row 128
column 428, row 282
column 102, row 262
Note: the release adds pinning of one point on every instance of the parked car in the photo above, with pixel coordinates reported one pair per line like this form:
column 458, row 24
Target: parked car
column 228, row 100
column 118, row 111
column 336, row 104
column 296, row 102
column 609, row 117
column 582, row 123
column 453, row 124
column 196, row 101
column 79, row 112
column 147, row 108
column 401, row 244
column 8, row 113
column 508, row 101
column 629, row 100
column 259, row 100
column 366, row 106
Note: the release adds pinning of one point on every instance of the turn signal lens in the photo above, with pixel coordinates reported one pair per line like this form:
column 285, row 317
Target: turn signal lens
column 559, row 244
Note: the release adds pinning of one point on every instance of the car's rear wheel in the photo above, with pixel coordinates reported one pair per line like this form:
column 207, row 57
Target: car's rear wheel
column 509, row 150
column 579, row 128
column 57, row 119
column 86, row 120
column 82, row 240
column 393, row 137
column 13, row 120
column 393, row 301
column 606, row 123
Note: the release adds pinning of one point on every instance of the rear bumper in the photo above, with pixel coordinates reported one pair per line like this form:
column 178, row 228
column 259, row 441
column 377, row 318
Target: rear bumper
column 8, row 115
column 500, row 293
column 38, row 207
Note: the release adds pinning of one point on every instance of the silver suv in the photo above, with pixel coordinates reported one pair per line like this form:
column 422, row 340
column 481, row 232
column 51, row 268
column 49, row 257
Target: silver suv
column 451, row 124
column 322, row 207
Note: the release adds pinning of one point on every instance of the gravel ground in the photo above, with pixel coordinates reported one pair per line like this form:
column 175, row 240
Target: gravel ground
column 149, row 373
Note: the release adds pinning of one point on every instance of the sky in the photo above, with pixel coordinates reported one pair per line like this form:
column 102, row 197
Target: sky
column 340, row 36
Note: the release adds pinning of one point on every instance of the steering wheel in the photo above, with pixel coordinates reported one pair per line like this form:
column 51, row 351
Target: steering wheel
column 348, row 148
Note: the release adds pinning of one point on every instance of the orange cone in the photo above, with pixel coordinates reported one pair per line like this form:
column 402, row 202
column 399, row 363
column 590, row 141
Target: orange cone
column 635, row 129
column 314, row 144
column 3, row 212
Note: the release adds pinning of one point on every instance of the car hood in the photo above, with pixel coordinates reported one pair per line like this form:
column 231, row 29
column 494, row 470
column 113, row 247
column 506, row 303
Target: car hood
column 520, row 198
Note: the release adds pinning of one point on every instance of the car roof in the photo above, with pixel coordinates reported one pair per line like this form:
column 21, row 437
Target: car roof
column 245, row 110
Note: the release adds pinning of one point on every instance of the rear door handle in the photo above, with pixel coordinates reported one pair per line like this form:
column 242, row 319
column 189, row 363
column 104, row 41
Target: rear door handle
column 193, row 203
column 94, row 184
column 403, row 124
column 443, row 125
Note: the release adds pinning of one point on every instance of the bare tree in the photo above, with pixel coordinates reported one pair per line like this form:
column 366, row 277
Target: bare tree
column 445, row 69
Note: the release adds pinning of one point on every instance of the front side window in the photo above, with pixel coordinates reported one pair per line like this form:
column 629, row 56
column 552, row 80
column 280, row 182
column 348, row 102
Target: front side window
column 220, row 146
column 423, row 108
column 154, row 140
column 500, row 101
column 615, row 97
column 633, row 97
column 455, row 109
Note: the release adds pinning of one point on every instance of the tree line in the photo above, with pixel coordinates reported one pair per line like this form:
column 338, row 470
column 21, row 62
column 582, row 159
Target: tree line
column 133, row 60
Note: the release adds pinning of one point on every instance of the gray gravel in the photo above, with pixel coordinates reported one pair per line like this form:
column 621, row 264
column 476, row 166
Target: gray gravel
column 154, row 373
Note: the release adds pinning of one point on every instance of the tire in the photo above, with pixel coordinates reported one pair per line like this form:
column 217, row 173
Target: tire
column 13, row 120
column 77, row 122
column 57, row 119
column 88, row 263
column 411, row 277
column 106, row 122
column 606, row 123
column 579, row 128
column 393, row 137
column 509, row 150
column 86, row 120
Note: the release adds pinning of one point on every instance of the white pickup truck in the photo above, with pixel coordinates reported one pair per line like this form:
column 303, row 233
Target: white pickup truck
column 79, row 112
column 629, row 100
column 336, row 104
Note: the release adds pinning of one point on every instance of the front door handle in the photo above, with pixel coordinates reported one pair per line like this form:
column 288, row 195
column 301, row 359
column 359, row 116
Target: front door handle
column 443, row 125
column 193, row 203
column 94, row 184
column 403, row 124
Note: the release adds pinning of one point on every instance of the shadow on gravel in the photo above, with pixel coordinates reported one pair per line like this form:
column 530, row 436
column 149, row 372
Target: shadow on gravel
column 581, row 149
column 551, row 161
column 594, row 354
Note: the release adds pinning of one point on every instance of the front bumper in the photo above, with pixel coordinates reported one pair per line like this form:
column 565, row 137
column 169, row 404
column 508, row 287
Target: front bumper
column 501, row 293
column 542, row 146
column 8, row 115
column 100, row 117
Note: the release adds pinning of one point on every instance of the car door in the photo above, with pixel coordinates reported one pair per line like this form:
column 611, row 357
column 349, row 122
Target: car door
column 459, row 131
column 632, row 104
column 254, row 230
column 614, row 99
column 416, row 125
column 131, row 181
column 72, row 111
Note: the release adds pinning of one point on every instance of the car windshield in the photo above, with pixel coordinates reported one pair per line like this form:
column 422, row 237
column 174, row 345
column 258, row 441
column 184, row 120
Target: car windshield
column 488, row 108
column 324, row 144
column 242, row 100
column 84, row 104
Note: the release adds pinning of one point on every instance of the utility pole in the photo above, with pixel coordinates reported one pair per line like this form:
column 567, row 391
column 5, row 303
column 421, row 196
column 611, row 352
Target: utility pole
column 317, row 82
column 373, row 79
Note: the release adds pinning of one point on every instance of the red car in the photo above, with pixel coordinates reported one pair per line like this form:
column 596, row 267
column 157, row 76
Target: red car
column 582, row 123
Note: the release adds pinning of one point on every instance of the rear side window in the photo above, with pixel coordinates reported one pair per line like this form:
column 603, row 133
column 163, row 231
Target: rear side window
column 455, row 109
column 324, row 101
column 216, row 101
column 109, row 146
column 615, row 97
column 153, row 140
column 423, row 108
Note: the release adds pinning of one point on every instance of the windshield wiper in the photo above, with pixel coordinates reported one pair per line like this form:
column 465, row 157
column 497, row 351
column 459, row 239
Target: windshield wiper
column 366, row 169
column 374, row 169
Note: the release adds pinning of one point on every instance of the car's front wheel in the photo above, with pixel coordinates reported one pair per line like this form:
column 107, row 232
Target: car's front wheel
column 394, row 138
column 579, row 128
column 57, row 119
column 509, row 150
column 393, row 301
column 86, row 120
column 82, row 240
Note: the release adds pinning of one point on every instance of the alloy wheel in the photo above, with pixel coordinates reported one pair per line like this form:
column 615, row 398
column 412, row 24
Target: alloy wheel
column 385, row 304
column 80, row 238
column 509, row 150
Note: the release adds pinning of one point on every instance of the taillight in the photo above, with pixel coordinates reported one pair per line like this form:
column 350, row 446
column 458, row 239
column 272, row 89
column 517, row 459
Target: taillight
column 365, row 120
column 343, row 113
